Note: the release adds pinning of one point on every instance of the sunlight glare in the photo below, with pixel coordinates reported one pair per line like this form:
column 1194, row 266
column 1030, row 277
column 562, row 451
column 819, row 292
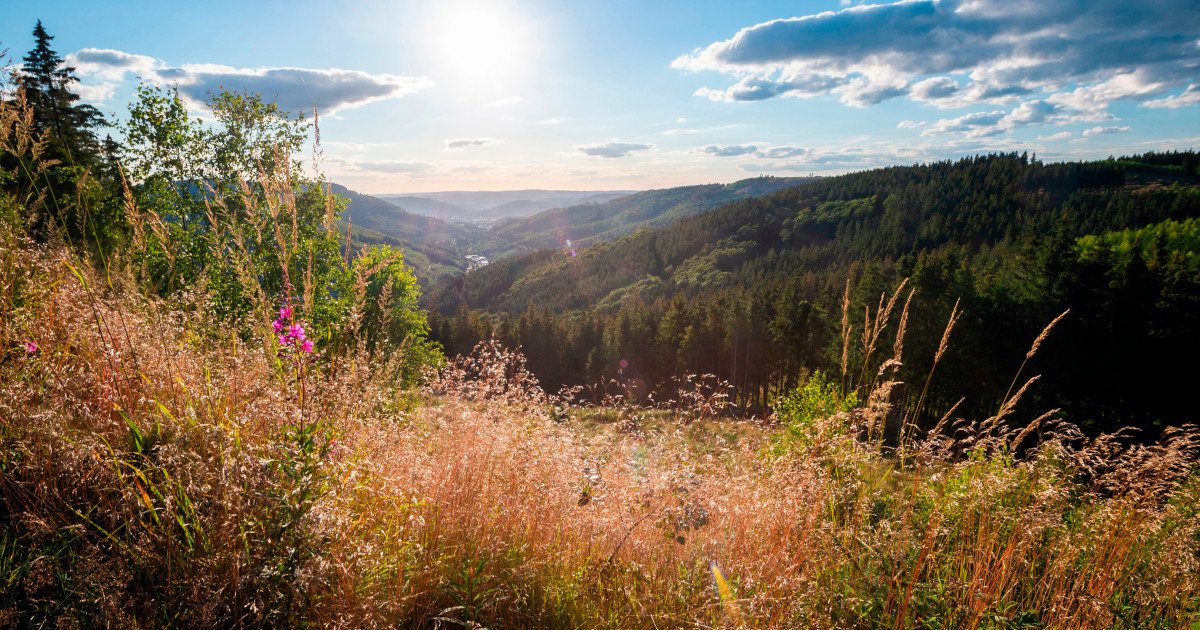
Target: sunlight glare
column 485, row 45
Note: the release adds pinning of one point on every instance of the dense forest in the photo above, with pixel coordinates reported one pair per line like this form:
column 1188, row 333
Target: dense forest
column 751, row 292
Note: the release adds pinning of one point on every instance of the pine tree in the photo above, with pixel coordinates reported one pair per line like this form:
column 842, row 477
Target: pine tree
column 47, row 80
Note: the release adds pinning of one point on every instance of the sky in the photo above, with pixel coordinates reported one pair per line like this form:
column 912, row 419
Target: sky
column 631, row 95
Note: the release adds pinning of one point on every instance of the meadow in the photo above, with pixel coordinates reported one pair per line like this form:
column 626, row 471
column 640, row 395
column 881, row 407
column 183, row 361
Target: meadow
column 160, row 472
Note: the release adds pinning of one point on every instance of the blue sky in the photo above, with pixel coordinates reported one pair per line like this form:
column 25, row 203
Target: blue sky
column 489, row 95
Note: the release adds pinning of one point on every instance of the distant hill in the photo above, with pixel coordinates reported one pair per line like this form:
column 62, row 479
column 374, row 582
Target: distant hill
column 487, row 206
column 433, row 247
column 379, row 214
column 595, row 221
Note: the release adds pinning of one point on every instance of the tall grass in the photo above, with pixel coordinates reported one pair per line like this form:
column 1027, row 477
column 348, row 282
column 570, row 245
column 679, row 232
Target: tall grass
column 152, row 478
column 158, row 469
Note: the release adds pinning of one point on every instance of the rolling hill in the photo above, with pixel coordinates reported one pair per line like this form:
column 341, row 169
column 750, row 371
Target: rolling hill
column 592, row 222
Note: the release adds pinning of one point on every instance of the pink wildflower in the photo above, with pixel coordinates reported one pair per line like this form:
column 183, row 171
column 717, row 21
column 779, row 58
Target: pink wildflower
column 285, row 312
column 278, row 325
column 30, row 347
column 306, row 346
column 283, row 340
column 296, row 331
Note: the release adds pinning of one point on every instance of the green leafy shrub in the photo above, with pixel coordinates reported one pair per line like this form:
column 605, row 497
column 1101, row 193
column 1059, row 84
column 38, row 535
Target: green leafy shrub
column 817, row 398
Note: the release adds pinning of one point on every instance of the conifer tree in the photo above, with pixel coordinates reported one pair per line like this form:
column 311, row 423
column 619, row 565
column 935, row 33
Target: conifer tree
column 47, row 80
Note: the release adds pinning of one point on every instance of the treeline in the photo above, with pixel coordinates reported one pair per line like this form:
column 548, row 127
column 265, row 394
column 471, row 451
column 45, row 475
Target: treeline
column 752, row 292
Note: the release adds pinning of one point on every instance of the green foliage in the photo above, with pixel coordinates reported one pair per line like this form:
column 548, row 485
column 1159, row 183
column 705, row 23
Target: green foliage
column 225, row 208
column 52, row 159
column 818, row 398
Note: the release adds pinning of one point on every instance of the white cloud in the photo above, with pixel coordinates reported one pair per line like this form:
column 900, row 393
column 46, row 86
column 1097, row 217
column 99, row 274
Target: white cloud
column 395, row 167
column 782, row 152
column 613, row 149
column 973, row 125
column 958, row 53
column 1100, row 131
column 1190, row 96
column 458, row 144
column 96, row 93
column 1026, row 114
column 296, row 90
column 729, row 151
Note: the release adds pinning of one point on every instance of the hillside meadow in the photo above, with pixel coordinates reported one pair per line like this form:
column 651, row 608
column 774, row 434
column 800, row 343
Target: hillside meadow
column 214, row 414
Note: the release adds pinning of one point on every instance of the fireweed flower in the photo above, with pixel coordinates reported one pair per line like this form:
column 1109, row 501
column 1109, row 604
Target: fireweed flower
column 30, row 347
column 291, row 334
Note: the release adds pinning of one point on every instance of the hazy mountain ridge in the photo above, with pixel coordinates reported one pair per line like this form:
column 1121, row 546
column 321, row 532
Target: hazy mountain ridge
column 583, row 217
column 432, row 247
column 590, row 223
column 483, row 207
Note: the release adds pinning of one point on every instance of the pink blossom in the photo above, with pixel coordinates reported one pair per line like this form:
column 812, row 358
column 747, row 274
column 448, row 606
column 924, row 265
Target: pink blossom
column 296, row 331
column 306, row 346
column 277, row 325
column 283, row 340
column 285, row 312
column 30, row 347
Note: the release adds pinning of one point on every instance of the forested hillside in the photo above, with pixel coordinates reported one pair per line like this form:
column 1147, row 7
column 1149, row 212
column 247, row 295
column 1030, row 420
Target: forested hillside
column 587, row 223
column 751, row 292
column 433, row 247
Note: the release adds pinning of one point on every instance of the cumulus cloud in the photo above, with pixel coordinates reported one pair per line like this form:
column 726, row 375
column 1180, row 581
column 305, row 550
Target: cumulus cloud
column 613, row 149
column 957, row 53
column 1190, row 96
column 458, row 144
column 296, row 90
column 396, row 167
column 110, row 65
column 1101, row 131
column 976, row 124
column 729, row 151
column 1026, row 114
column 782, row 152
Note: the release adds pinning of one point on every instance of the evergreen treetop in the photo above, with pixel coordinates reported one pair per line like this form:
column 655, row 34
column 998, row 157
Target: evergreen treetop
column 47, row 80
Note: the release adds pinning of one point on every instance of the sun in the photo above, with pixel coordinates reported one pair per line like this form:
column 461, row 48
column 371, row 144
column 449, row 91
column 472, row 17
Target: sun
column 483, row 45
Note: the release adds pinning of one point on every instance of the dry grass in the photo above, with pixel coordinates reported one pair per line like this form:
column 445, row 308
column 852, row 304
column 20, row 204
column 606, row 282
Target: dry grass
column 154, row 476
column 158, row 469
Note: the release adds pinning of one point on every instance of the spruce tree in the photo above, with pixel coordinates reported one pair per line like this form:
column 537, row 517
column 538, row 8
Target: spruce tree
column 73, row 186
column 47, row 80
